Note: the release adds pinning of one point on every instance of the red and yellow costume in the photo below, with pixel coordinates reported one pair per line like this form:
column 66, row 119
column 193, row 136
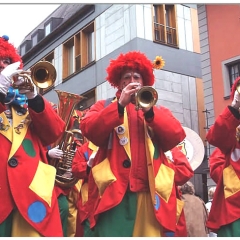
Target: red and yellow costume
column 27, row 181
column 79, row 170
column 225, row 170
column 139, row 165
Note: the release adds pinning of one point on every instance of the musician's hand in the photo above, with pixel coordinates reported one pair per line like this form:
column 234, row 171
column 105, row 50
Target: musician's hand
column 236, row 100
column 29, row 94
column 128, row 93
column 55, row 153
column 6, row 76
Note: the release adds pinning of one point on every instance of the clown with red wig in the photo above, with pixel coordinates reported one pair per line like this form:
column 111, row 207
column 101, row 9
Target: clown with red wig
column 131, row 185
column 27, row 124
column 224, row 162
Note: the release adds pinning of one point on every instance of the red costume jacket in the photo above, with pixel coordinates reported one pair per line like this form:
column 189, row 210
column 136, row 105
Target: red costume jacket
column 120, row 163
column 225, row 171
column 26, row 180
column 79, row 170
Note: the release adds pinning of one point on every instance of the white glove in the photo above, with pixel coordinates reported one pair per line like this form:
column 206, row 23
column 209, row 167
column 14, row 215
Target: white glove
column 29, row 94
column 6, row 76
column 236, row 100
column 55, row 153
column 90, row 161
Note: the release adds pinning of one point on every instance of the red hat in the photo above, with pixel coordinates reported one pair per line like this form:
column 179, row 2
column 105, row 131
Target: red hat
column 234, row 87
column 7, row 50
column 135, row 61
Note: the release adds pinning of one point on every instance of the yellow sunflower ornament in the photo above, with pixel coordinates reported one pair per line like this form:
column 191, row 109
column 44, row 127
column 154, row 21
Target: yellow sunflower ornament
column 158, row 62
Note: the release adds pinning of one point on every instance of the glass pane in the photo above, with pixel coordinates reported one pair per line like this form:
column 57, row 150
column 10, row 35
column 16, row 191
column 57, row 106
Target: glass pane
column 23, row 50
column 167, row 16
column 155, row 13
column 91, row 47
column 34, row 40
column 47, row 29
column 234, row 72
column 78, row 62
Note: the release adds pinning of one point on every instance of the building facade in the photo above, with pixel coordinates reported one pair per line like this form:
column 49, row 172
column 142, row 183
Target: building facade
column 80, row 40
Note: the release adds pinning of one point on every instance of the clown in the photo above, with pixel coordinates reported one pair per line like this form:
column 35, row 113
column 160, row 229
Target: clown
column 131, row 186
column 224, row 216
column 27, row 124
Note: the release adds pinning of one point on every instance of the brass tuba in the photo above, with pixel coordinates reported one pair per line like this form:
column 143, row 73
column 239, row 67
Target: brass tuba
column 67, row 143
column 145, row 97
column 43, row 75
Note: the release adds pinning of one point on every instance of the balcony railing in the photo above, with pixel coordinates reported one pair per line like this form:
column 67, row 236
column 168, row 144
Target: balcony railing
column 159, row 33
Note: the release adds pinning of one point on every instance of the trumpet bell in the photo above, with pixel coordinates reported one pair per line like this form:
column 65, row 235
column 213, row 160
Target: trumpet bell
column 146, row 97
column 43, row 74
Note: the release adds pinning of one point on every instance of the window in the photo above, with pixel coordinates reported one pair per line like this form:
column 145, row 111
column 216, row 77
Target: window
column 23, row 49
column 47, row 29
column 79, row 51
column 230, row 71
column 34, row 40
column 88, row 43
column 89, row 100
column 164, row 23
column 68, row 55
column 234, row 72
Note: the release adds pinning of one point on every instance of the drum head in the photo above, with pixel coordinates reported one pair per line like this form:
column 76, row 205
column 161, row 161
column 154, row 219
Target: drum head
column 192, row 146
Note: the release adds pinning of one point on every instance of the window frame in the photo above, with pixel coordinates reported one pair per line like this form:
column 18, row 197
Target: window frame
column 45, row 28
column 166, row 28
column 226, row 75
column 83, row 53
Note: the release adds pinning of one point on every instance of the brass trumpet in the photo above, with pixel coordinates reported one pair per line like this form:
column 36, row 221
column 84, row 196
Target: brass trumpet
column 43, row 75
column 145, row 97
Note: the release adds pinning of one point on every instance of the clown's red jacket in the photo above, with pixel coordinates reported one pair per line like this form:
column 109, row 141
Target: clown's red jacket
column 225, row 170
column 26, row 180
column 131, row 157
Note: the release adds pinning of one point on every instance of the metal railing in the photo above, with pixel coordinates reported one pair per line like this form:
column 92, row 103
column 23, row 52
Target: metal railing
column 159, row 33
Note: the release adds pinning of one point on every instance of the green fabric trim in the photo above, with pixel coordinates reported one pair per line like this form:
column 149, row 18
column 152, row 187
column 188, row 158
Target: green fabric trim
column 116, row 222
column 230, row 230
column 6, row 226
column 64, row 209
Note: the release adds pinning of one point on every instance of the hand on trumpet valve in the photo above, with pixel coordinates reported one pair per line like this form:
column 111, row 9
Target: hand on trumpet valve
column 128, row 93
column 6, row 76
column 24, row 80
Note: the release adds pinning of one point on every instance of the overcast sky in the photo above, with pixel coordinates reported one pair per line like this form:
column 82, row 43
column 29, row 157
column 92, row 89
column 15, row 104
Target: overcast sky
column 17, row 20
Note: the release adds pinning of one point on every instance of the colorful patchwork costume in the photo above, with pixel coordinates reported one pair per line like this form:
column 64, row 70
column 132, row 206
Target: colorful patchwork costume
column 131, row 186
column 224, row 216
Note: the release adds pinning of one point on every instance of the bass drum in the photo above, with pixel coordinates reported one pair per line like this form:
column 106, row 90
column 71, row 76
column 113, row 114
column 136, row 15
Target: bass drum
column 192, row 146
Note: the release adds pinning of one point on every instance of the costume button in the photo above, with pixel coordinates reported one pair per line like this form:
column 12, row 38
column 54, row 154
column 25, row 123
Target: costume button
column 13, row 162
column 126, row 163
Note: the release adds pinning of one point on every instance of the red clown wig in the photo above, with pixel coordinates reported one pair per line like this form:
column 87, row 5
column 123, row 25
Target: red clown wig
column 234, row 87
column 7, row 50
column 135, row 61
